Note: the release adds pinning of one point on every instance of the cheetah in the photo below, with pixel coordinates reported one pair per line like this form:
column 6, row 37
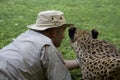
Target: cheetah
column 98, row 59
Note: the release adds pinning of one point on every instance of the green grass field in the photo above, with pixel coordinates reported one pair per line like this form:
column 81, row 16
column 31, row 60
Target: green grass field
column 104, row 15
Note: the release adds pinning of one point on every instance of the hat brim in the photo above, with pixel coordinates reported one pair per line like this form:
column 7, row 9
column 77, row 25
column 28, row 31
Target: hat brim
column 67, row 25
column 42, row 28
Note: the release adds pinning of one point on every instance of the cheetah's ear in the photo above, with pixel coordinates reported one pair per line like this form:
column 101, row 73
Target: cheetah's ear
column 94, row 33
column 72, row 32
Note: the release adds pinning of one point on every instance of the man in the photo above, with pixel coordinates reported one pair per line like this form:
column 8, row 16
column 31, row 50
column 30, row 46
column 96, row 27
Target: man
column 33, row 54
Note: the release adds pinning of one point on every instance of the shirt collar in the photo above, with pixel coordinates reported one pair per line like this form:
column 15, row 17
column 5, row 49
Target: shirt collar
column 32, row 32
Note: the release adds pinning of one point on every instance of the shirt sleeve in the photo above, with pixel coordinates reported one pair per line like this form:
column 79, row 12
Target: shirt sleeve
column 53, row 64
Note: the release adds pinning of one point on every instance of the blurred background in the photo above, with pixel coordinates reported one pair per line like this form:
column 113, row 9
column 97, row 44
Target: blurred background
column 103, row 15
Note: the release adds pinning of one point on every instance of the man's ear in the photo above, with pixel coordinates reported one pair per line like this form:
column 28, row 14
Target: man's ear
column 53, row 33
column 94, row 33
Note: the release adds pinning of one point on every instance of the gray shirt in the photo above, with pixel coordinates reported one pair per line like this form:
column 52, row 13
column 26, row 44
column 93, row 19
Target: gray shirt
column 32, row 56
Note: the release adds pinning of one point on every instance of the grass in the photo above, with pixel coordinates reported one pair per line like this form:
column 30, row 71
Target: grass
column 104, row 15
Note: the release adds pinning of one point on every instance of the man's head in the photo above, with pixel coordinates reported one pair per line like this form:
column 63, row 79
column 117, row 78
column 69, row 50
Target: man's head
column 52, row 24
column 56, row 35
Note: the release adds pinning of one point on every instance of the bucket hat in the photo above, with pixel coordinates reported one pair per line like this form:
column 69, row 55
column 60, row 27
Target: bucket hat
column 49, row 19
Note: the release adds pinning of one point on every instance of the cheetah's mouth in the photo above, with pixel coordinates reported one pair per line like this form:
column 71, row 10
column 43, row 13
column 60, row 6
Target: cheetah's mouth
column 71, row 33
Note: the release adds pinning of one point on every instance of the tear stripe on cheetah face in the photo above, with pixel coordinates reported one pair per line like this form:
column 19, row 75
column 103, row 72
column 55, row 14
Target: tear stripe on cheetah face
column 99, row 60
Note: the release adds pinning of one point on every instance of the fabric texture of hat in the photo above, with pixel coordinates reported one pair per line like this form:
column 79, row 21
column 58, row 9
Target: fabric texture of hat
column 49, row 19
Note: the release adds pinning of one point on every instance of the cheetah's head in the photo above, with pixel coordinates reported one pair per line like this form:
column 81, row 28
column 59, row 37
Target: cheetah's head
column 81, row 37
column 76, row 35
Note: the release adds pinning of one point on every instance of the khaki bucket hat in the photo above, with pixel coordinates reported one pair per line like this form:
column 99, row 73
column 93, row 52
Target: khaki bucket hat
column 49, row 19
